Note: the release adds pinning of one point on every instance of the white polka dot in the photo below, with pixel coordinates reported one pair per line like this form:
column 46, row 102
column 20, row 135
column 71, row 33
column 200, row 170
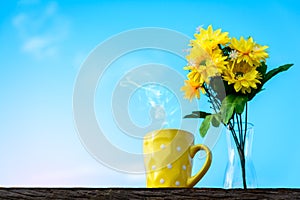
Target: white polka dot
column 169, row 166
column 177, row 183
column 153, row 167
column 162, row 146
column 162, row 181
column 183, row 167
column 178, row 148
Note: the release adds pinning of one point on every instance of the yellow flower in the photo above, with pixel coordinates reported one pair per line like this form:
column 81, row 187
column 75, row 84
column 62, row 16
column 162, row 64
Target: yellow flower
column 191, row 89
column 197, row 56
column 210, row 39
column 219, row 60
column 249, row 51
column 202, row 74
column 203, row 66
column 243, row 76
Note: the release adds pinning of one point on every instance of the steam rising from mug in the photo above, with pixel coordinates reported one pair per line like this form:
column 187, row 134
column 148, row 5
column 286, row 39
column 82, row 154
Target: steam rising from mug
column 159, row 95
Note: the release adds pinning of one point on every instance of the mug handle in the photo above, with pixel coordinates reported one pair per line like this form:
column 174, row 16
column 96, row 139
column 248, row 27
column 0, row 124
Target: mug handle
column 196, row 178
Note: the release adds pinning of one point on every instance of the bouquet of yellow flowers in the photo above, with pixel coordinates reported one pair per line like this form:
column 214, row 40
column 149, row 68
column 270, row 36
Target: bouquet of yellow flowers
column 230, row 72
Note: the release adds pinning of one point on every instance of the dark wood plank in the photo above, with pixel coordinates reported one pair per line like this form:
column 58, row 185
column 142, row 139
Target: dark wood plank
column 145, row 193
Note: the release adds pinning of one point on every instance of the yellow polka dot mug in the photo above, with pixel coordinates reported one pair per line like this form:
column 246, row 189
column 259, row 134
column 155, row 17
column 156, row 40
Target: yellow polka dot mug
column 168, row 155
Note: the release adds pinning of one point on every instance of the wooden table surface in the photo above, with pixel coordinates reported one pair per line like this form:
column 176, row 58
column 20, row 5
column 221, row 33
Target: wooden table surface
column 145, row 193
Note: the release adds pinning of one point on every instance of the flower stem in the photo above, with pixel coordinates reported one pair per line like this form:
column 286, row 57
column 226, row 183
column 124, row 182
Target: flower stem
column 241, row 132
column 231, row 128
column 241, row 156
column 240, row 143
column 239, row 129
column 246, row 123
column 243, row 163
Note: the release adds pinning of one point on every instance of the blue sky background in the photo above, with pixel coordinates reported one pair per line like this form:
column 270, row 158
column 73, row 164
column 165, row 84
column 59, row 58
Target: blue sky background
column 43, row 44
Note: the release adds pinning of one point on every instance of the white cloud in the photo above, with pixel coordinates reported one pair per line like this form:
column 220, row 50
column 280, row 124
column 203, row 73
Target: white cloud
column 39, row 47
column 35, row 43
column 41, row 29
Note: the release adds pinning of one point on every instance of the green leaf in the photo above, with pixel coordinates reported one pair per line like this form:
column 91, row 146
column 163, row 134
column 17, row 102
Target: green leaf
column 197, row 114
column 275, row 71
column 216, row 120
column 227, row 108
column 205, row 125
column 232, row 103
column 239, row 103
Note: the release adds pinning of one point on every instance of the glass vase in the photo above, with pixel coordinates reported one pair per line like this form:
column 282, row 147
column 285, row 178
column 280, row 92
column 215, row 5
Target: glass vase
column 233, row 174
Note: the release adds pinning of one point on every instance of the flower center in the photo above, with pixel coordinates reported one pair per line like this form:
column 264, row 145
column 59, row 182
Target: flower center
column 239, row 75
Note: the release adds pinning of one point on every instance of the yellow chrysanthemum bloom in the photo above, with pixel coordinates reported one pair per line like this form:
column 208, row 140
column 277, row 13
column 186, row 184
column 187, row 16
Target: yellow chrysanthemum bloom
column 219, row 60
column 202, row 66
column 243, row 76
column 209, row 39
column 192, row 89
column 202, row 73
column 197, row 56
column 249, row 51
